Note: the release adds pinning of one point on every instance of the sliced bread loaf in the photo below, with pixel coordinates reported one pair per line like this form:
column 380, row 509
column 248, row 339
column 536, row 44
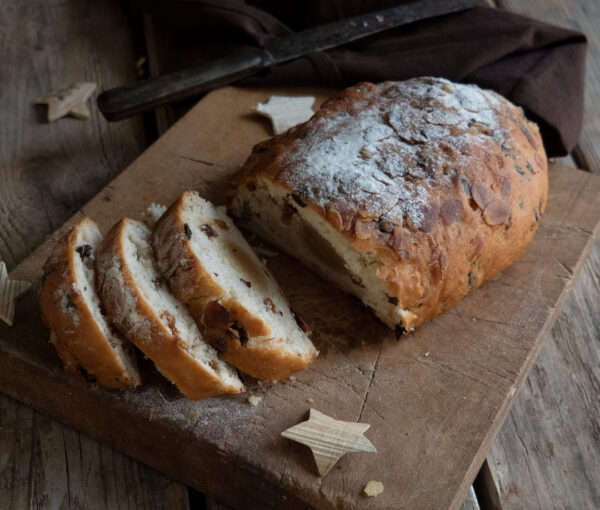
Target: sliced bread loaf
column 83, row 337
column 140, row 305
column 235, row 301
column 408, row 195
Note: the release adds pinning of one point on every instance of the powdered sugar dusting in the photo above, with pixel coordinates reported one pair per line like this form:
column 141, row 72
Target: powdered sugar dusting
column 385, row 153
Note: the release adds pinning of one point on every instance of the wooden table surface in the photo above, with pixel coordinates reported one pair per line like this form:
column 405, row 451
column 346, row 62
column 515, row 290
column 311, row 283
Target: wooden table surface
column 547, row 455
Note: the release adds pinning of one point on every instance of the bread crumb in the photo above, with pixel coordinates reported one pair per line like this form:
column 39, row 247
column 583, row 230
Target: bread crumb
column 254, row 400
column 310, row 400
column 373, row 489
column 292, row 377
column 427, row 354
column 152, row 214
column 286, row 112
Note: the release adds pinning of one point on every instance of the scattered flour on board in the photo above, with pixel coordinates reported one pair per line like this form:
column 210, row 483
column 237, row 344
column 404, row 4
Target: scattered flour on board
column 385, row 154
column 218, row 417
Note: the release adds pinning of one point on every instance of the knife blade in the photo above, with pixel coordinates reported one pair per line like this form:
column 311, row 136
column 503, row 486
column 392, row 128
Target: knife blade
column 122, row 102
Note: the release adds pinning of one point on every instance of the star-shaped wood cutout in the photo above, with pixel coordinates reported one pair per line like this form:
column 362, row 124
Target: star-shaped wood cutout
column 69, row 101
column 10, row 291
column 286, row 112
column 329, row 439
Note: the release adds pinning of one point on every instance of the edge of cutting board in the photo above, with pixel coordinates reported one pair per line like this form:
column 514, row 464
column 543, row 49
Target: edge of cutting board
column 435, row 400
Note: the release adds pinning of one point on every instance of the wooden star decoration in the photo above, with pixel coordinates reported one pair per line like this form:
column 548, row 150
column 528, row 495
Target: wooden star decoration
column 329, row 439
column 69, row 101
column 10, row 291
column 286, row 112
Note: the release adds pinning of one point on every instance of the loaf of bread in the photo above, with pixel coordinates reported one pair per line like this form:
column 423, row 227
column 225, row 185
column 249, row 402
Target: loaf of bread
column 82, row 335
column 138, row 302
column 406, row 194
column 235, row 301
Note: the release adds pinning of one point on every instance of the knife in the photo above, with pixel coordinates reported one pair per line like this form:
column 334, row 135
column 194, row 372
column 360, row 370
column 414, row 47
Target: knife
column 122, row 102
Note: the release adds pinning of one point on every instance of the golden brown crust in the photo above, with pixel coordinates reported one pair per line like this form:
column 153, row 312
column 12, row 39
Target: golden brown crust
column 224, row 322
column 188, row 280
column 75, row 334
column 267, row 362
column 147, row 331
column 482, row 185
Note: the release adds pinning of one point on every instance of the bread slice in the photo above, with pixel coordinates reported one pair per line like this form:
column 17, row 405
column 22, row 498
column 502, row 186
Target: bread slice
column 234, row 299
column 140, row 305
column 82, row 335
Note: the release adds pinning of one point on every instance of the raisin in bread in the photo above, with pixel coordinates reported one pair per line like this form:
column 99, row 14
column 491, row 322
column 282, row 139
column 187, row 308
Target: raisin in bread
column 406, row 194
column 83, row 337
column 140, row 305
column 233, row 298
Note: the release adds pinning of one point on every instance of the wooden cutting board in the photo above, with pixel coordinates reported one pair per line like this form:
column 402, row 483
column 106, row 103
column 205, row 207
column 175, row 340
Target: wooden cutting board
column 434, row 400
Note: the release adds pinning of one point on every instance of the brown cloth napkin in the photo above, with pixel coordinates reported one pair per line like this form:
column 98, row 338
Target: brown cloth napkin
column 537, row 66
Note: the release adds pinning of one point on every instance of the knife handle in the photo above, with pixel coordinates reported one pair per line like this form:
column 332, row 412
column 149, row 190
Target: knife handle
column 122, row 102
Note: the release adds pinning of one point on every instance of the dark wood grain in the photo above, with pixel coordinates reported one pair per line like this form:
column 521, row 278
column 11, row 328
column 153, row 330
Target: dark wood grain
column 434, row 401
column 156, row 42
column 45, row 464
column 47, row 171
column 470, row 503
column 547, row 455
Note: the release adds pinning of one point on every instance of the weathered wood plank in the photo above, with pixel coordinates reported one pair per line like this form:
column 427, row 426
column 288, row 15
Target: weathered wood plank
column 582, row 15
column 469, row 504
column 547, row 454
column 567, row 160
column 47, row 465
column 46, row 172
column 155, row 43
